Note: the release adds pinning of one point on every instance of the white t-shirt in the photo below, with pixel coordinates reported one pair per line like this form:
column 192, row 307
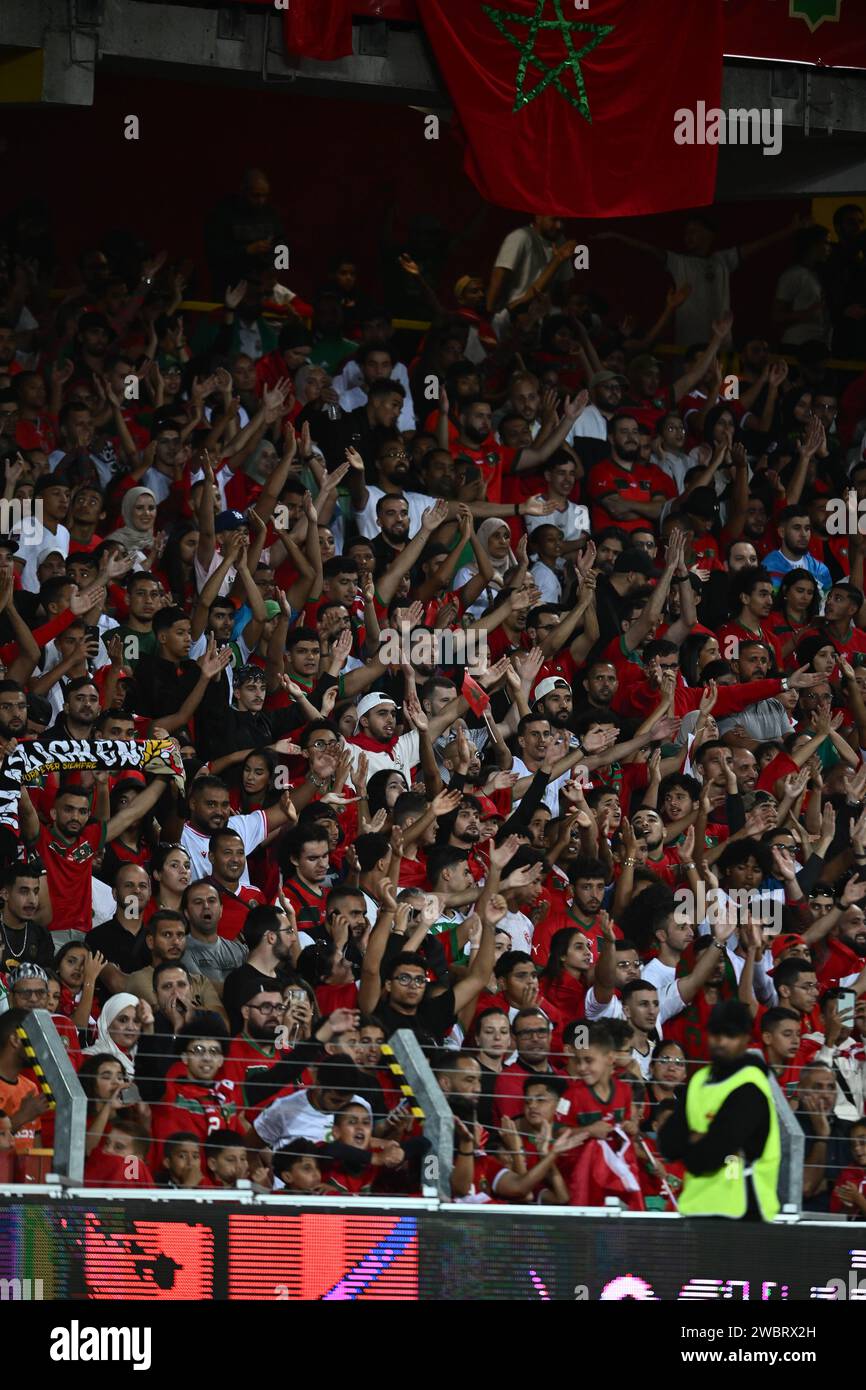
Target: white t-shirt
column 30, row 551
column 371, row 909
column 525, row 253
column 102, row 901
column 158, row 483
column 252, row 830
column 351, row 375
column 710, row 279
column 764, row 990
column 573, row 521
column 368, row 523
column 520, row 928
column 675, row 465
column 670, row 1004
column 798, row 287
column 552, row 790
column 590, row 424
column 548, row 582
column 293, row 1117
column 484, row 600
column 403, row 757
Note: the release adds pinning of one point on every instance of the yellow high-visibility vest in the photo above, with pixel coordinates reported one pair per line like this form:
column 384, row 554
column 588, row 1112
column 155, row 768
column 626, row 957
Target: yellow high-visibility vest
column 724, row 1192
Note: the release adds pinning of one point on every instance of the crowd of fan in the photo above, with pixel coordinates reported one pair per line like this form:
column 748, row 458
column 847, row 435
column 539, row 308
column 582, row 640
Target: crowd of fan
column 612, row 774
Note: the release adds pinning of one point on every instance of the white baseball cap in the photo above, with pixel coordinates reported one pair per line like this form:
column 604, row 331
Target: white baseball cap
column 549, row 683
column 372, row 701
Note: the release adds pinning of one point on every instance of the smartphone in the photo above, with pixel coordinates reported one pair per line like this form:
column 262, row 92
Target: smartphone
column 845, row 1002
column 298, row 996
column 130, row 1095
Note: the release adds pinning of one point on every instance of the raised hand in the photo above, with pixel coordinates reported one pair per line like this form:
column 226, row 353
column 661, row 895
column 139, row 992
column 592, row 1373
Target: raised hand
column 446, row 801
column 708, row 699
column 496, row 909
column 342, row 646
column 501, row 854
column 538, row 506
column 434, row 516
column 415, row 714
column 686, row 851
column 796, row 784
column 212, row 663
column 804, row 679
column 234, row 295
column 598, row 740
column 96, row 962
column 576, row 405
column 431, row 909
column 82, row 601
column 675, row 297
column 494, row 673
column 783, row 863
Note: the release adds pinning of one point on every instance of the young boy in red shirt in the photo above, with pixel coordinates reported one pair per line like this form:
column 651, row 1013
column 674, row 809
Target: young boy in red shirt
column 849, row 1194
column 600, row 1106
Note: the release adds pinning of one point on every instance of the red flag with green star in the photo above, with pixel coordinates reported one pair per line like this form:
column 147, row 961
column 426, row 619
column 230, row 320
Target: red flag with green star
column 831, row 33
column 569, row 107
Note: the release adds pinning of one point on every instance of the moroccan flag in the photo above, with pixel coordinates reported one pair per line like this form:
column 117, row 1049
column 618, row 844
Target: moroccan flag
column 570, row 109
column 318, row 29
column 604, row 1168
column 829, row 32
column 476, row 698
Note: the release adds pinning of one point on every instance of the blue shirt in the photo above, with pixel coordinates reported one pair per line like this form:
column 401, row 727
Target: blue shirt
column 778, row 566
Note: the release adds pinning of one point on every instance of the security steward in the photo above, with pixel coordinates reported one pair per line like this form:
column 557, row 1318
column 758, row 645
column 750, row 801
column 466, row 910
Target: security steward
column 725, row 1127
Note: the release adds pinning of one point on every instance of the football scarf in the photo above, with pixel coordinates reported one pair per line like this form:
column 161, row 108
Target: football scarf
column 31, row 760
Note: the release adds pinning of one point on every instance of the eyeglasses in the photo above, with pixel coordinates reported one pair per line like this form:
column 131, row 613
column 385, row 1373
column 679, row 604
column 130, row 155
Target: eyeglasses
column 199, row 1050
column 268, row 1008
column 30, row 993
column 321, row 743
column 411, row 981
column 532, row 1033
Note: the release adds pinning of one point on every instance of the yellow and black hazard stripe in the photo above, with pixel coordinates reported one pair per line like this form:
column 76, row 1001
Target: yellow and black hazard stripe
column 37, row 1070
column 400, row 1077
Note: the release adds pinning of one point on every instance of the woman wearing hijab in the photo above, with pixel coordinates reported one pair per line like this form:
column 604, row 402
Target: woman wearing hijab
column 118, row 1031
column 494, row 537
column 138, row 510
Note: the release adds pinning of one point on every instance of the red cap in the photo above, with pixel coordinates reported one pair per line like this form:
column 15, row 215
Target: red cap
column 489, row 809
column 785, row 942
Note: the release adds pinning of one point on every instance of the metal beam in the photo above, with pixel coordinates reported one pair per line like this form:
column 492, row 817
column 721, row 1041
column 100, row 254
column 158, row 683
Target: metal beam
column 438, row 1119
column 790, row 1185
column 393, row 61
column 49, row 1056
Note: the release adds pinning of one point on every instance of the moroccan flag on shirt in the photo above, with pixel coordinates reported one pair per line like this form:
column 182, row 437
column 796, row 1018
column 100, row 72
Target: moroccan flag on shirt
column 572, row 112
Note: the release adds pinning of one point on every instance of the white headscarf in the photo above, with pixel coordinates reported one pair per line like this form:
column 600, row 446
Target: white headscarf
column 104, row 1041
column 129, row 534
column 502, row 566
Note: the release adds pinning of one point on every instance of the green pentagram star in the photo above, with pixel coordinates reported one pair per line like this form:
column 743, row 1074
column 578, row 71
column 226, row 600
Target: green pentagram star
column 528, row 58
